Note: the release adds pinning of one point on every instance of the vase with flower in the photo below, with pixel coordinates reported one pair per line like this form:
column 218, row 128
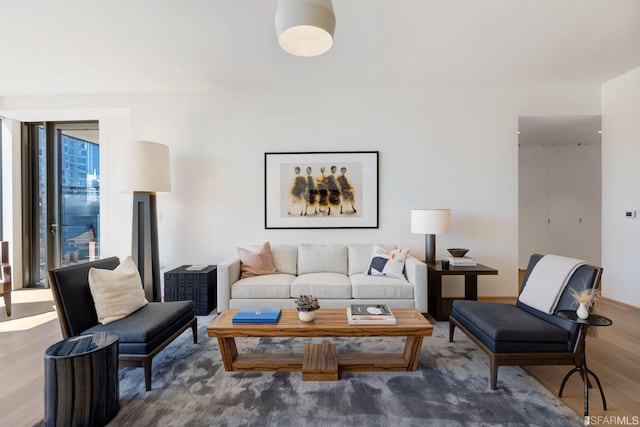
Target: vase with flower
column 585, row 299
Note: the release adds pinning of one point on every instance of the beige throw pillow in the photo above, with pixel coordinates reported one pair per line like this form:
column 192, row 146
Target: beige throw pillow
column 116, row 293
column 256, row 263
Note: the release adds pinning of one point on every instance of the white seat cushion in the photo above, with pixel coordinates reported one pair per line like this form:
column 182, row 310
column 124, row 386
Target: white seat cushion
column 266, row 286
column 322, row 285
column 380, row 287
column 322, row 258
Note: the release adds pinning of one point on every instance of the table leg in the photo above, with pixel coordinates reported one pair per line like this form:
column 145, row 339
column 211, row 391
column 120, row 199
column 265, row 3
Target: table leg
column 412, row 347
column 471, row 287
column 228, row 352
column 604, row 401
column 434, row 285
column 585, row 375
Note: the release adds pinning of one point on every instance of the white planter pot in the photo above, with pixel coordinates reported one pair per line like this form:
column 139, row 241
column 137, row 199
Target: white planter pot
column 306, row 316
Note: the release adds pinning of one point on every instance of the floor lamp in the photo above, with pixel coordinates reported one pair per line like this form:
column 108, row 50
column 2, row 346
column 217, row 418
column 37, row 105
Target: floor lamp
column 146, row 171
column 430, row 222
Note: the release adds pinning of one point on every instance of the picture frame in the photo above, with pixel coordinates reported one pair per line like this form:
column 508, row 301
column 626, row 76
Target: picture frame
column 321, row 189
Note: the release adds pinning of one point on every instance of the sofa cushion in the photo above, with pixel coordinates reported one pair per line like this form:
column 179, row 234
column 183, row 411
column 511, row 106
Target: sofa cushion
column 285, row 257
column 387, row 263
column 267, row 286
column 116, row 293
column 322, row 285
column 256, row 262
column 143, row 330
column 506, row 322
column 360, row 255
column 380, row 287
column 322, row 258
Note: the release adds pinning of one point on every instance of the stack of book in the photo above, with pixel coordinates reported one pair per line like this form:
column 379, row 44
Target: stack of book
column 370, row 314
column 463, row 261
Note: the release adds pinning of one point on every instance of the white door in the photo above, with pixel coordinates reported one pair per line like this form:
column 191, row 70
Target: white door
column 590, row 193
column 533, row 178
column 564, row 212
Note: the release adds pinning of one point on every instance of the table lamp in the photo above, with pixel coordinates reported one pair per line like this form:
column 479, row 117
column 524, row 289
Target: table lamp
column 145, row 170
column 430, row 222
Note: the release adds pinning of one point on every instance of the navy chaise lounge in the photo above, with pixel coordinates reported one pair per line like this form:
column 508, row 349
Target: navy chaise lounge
column 520, row 335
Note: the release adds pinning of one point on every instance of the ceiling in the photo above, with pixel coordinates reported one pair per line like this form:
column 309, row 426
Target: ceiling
column 127, row 46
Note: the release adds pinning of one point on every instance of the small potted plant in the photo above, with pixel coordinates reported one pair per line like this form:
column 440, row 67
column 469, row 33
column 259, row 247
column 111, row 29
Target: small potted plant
column 306, row 306
column 584, row 299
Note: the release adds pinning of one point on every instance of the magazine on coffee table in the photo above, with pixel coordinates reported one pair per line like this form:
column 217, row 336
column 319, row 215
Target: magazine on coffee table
column 370, row 314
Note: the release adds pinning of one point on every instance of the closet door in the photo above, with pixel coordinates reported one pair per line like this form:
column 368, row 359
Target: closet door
column 590, row 193
column 564, row 213
column 533, row 204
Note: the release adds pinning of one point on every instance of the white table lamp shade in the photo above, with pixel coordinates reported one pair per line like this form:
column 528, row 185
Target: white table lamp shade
column 145, row 167
column 430, row 221
column 305, row 27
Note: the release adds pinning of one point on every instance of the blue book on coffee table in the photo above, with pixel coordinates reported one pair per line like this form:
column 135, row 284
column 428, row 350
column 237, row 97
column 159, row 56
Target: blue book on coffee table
column 257, row 315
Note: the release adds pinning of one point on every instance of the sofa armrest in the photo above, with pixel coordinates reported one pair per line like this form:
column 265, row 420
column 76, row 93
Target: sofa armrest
column 228, row 274
column 416, row 272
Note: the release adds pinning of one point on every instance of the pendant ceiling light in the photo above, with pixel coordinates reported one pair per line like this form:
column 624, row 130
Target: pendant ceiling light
column 305, row 27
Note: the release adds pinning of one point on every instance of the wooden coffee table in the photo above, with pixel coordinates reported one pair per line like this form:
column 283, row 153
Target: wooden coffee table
column 320, row 361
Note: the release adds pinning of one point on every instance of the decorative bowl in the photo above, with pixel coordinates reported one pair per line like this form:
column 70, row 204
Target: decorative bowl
column 458, row 252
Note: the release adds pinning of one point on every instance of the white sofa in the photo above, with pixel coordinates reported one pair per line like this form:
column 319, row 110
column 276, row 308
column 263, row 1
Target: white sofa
column 335, row 274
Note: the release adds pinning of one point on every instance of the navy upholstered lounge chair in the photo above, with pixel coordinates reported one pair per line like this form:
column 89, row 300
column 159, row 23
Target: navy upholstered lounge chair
column 521, row 335
column 143, row 334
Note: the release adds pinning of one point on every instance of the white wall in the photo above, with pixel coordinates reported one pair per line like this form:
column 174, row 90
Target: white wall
column 620, row 178
column 454, row 148
column 11, row 197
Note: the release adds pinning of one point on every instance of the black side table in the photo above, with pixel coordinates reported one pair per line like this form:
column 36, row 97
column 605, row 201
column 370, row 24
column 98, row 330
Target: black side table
column 199, row 286
column 439, row 307
column 592, row 320
column 81, row 381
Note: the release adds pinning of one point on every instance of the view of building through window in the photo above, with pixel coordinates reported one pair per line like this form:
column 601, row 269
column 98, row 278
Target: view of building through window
column 79, row 200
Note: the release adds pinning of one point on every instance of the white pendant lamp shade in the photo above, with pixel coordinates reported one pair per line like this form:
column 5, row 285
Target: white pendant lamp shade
column 145, row 167
column 305, row 27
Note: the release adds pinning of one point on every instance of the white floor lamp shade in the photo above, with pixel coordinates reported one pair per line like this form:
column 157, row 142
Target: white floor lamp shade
column 430, row 222
column 145, row 170
column 305, row 27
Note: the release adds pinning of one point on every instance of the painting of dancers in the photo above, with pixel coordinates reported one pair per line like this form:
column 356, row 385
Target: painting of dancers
column 321, row 190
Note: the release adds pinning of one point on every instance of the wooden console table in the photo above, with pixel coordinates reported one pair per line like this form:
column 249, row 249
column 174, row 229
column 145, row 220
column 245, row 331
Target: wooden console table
column 440, row 307
column 321, row 361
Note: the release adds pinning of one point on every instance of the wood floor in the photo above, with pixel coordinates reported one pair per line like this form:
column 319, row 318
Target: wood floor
column 614, row 356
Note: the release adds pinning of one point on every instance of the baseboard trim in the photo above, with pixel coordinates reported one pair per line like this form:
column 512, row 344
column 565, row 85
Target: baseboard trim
column 622, row 304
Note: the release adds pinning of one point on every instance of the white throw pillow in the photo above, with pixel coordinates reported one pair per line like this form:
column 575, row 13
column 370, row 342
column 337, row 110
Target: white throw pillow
column 387, row 262
column 116, row 293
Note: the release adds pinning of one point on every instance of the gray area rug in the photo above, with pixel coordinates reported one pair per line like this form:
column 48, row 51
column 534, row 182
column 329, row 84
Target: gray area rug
column 450, row 388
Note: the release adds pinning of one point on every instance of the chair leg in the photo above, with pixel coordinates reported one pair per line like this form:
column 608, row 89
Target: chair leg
column 194, row 329
column 146, row 365
column 7, row 302
column 452, row 328
column 494, row 372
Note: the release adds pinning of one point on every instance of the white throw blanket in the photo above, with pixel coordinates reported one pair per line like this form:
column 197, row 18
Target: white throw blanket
column 547, row 281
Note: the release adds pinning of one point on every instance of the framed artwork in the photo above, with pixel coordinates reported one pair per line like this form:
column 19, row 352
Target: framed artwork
column 321, row 189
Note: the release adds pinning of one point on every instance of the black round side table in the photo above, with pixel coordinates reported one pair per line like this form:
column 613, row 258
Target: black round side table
column 81, row 381
column 592, row 320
